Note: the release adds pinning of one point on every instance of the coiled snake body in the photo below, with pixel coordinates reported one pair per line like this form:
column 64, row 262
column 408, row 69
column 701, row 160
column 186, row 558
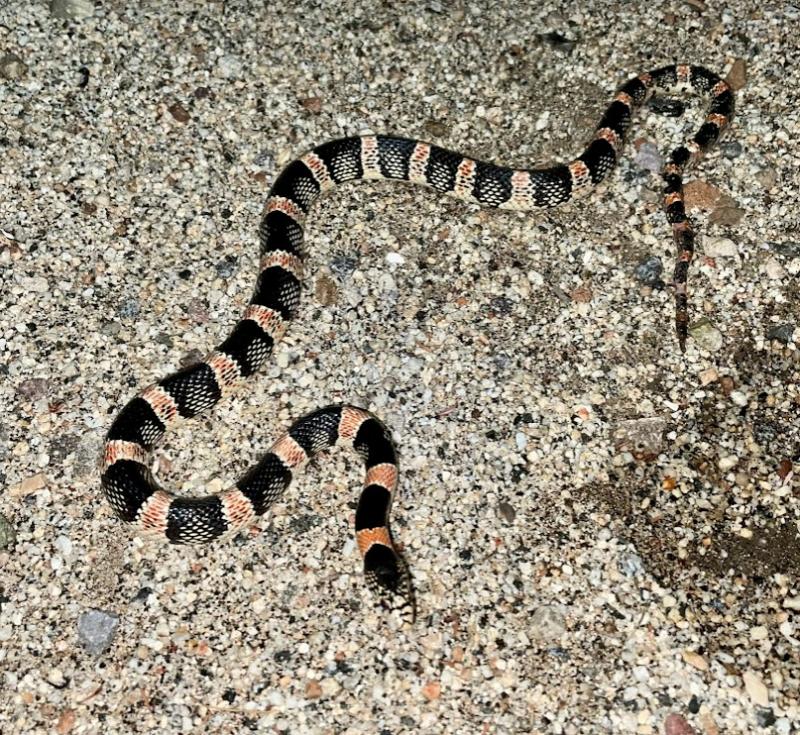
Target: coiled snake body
column 127, row 481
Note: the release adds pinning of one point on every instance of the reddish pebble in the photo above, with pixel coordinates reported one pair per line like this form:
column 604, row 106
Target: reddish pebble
column 312, row 104
column 677, row 725
column 784, row 468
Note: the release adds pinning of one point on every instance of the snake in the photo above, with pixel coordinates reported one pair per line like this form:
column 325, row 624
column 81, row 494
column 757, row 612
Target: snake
column 127, row 479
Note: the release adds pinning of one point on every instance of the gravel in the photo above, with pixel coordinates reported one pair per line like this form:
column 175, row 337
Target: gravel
column 570, row 580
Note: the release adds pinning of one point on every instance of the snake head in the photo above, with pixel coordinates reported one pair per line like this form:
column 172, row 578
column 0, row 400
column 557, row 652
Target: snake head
column 388, row 577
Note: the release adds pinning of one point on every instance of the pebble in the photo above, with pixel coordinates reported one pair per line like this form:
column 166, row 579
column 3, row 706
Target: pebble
column 7, row 533
column 547, row 622
column 129, row 308
column 721, row 247
column 707, row 336
column 96, row 630
column 755, row 688
column 506, row 511
column 787, row 249
column 71, row 9
column 774, row 270
column 782, row 333
column 765, row 717
column 737, row 76
column 699, row 194
column 675, row 724
column 631, row 565
column 28, row 486
column 726, row 215
column 792, row 603
column 227, row 266
column 12, row 66
column 649, row 271
column 695, row 659
column 708, row 376
column 731, row 149
column 643, row 438
column 648, row 158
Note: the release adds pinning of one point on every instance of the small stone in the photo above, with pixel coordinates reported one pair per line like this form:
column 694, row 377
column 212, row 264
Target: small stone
column 737, row 76
column 395, row 258
column 12, row 66
column 436, row 128
column 721, row 247
column 66, row 721
column 728, row 463
column 648, row 158
column 581, row 295
column 726, row 215
column 630, row 565
column 432, row 690
column 784, row 468
column 313, row 689
column 759, row 633
column 708, row 376
column 643, row 438
column 786, row 249
column 325, row 290
column 782, row 333
column 649, row 271
column 506, row 512
column 227, row 266
column 28, row 486
column 707, row 336
column 699, row 194
column 342, row 266
column 179, row 112
column 7, row 533
column 767, row 177
column 765, row 717
column 695, row 660
column 129, row 308
column 230, row 66
column 312, row 104
column 738, row 397
column 71, row 9
column 548, row 622
column 755, row 688
column 731, row 149
column 675, row 724
column 96, row 630
column 774, row 270
column 792, row 603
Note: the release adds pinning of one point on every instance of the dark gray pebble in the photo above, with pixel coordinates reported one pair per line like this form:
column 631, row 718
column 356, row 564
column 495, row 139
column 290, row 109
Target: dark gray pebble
column 781, row 333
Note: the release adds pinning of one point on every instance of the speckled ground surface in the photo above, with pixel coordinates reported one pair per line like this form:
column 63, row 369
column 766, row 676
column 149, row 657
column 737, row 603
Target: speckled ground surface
column 603, row 532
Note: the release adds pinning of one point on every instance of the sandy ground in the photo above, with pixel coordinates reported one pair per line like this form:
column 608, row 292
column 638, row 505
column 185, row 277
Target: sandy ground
column 602, row 531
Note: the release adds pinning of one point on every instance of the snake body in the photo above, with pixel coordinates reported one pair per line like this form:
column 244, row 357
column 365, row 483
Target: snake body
column 127, row 480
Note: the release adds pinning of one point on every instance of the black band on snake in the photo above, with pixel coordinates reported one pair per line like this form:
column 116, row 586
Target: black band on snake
column 127, row 481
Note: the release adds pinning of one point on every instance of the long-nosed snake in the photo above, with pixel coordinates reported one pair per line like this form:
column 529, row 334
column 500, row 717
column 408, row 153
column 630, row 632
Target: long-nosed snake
column 127, row 480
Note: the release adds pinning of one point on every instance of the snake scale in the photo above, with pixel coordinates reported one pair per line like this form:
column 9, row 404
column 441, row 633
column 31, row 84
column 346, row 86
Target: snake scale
column 127, row 480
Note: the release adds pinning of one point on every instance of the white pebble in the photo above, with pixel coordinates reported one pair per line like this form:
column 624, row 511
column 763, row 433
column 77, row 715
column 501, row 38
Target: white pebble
column 721, row 247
